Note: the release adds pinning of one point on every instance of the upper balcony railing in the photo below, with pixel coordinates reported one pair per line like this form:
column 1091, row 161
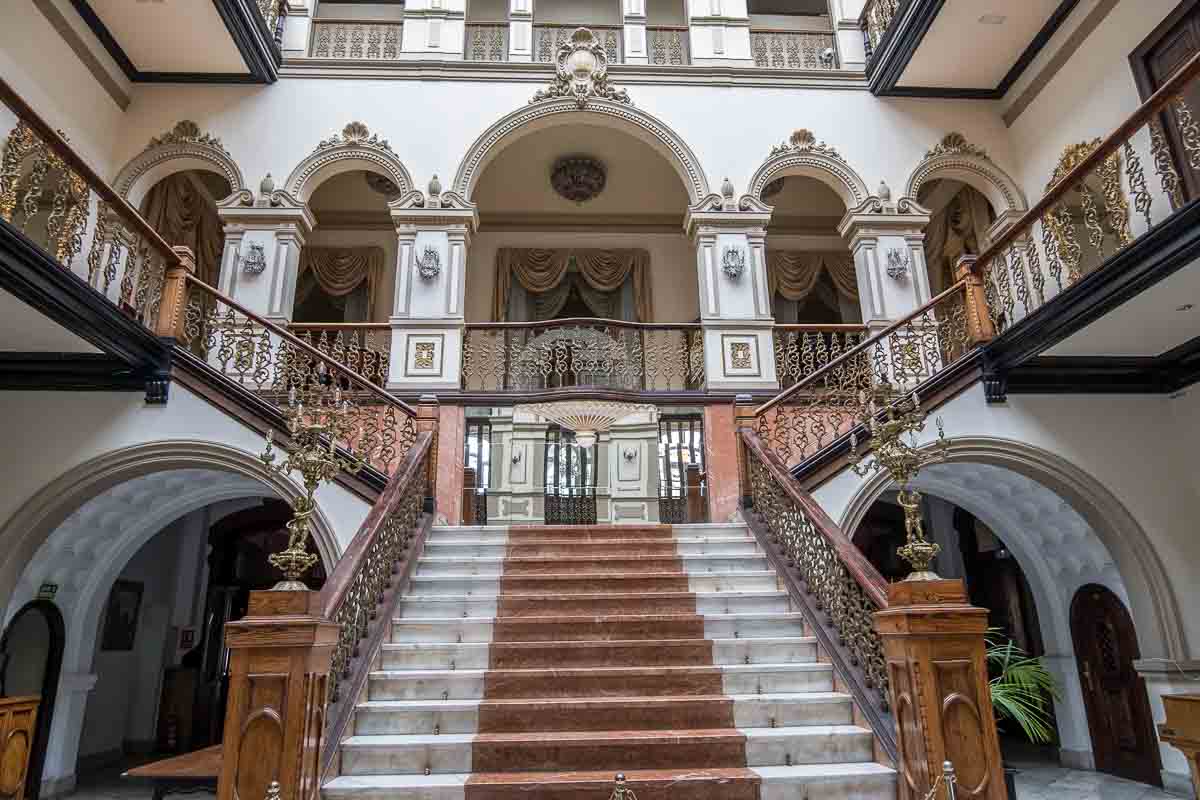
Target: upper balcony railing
column 548, row 38
column 783, row 49
column 876, row 16
column 356, row 40
column 486, row 41
column 273, row 13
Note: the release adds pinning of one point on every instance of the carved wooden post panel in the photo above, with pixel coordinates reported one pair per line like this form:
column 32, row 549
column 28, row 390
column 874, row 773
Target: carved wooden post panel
column 979, row 319
column 18, row 721
column 468, row 501
column 280, row 655
column 428, row 412
column 172, row 309
column 937, row 670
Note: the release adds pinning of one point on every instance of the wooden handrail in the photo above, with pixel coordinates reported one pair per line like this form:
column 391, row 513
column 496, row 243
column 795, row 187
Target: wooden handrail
column 862, row 570
column 1114, row 140
column 858, row 349
column 839, row 327
column 596, row 321
column 62, row 148
column 304, row 347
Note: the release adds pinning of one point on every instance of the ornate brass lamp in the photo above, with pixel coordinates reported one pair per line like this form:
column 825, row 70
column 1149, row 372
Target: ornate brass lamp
column 894, row 438
column 314, row 431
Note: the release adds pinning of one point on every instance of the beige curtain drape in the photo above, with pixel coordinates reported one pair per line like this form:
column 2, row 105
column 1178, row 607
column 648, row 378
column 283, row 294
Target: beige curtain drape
column 341, row 270
column 185, row 216
column 959, row 229
column 540, row 271
column 794, row 274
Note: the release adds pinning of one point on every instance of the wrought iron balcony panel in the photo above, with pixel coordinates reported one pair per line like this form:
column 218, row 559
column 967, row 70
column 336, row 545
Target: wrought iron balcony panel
column 355, row 40
column 547, row 39
column 793, row 50
column 668, row 46
column 486, row 42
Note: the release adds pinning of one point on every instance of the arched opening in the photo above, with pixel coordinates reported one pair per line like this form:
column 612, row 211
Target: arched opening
column 31, row 652
column 182, row 209
column 959, row 222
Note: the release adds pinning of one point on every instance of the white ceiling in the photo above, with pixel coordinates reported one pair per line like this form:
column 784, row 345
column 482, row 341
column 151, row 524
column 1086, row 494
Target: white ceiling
column 23, row 330
column 961, row 52
column 1146, row 325
column 171, row 35
column 640, row 181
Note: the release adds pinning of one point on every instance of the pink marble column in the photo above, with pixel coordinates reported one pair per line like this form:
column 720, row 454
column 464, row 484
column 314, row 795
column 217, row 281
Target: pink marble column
column 721, row 461
column 450, row 464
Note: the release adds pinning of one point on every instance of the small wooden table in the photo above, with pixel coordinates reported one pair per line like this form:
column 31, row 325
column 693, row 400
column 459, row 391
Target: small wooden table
column 189, row 773
column 1182, row 729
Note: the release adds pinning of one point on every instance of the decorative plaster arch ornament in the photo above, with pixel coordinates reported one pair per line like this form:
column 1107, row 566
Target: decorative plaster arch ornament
column 957, row 159
column 354, row 148
column 182, row 148
column 1151, row 598
column 803, row 155
column 599, row 111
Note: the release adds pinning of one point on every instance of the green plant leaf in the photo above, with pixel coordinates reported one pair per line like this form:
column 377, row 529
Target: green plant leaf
column 1021, row 688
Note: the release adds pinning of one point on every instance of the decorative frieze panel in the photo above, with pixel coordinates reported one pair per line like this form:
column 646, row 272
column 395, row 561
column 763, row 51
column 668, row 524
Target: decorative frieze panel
column 793, row 50
column 359, row 41
column 549, row 39
column 487, row 42
column 668, row 46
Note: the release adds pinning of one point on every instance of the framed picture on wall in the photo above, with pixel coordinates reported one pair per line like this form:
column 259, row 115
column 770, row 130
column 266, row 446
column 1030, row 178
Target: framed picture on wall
column 121, row 617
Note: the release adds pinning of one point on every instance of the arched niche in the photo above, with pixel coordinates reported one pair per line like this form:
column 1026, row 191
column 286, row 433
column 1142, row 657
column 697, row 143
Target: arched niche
column 954, row 158
column 802, row 155
column 182, row 148
column 355, row 148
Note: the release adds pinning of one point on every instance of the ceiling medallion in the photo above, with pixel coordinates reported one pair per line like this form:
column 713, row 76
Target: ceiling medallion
column 581, row 72
column 381, row 184
column 578, row 178
column 733, row 263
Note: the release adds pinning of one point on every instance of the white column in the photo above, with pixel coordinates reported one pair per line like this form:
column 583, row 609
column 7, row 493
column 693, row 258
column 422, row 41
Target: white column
column 520, row 30
column 434, row 29
column 62, row 752
column 735, row 307
column 297, row 26
column 634, row 20
column 262, row 253
column 849, row 33
column 880, row 240
column 427, row 315
column 720, row 33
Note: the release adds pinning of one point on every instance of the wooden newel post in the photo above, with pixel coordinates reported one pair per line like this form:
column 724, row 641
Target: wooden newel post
column 743, row 417
column 172, row 308
column 979, row 318
column 280, row 655
column 428, row 412
column 937, row 670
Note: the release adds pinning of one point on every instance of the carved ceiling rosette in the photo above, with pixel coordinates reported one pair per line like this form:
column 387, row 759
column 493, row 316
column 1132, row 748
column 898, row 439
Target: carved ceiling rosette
column 581, row 72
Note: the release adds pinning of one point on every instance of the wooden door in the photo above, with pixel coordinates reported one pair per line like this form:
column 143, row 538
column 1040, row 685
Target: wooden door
column 1171, row 45
column 1118, row 709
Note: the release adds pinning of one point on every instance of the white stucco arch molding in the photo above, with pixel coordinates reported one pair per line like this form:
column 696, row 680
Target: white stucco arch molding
column 604, row 113
column 804, row 156
column 182, row 148
column 957, row 159
column 355, row 148
column 1152, row 599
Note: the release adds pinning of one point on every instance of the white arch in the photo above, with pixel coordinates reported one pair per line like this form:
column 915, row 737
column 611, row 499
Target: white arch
column 1151, row 598
column 606, row 113
column 158, row 161
column 354, row 149
column 957, row 160
column 825, row 166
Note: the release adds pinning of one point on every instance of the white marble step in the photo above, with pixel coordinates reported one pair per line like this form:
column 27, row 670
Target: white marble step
column 467, row 684
column 860, row 781
column 691, row 546
column 781, row 710
column 393, row 754
column 489, row 586
column 480, row 607
column 692, row 565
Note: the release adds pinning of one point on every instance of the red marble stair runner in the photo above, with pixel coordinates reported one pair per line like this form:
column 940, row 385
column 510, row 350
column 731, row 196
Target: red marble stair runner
column 599, row 665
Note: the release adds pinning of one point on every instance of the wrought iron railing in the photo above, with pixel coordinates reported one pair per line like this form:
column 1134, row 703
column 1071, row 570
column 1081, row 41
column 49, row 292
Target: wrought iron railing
column 668, row 45
column 581, row 352
column 364, row 347
column 876, row 16
column 547, row 38
column 53, row 197
column 1085, row 217
column 801, row 350
column 273, row 14
column 361, row 594
column 831, row 581
column 830, row 402
column 486, row 41
column 569, row 505
column 793, row 49
column 278, row 367
column 356, row 40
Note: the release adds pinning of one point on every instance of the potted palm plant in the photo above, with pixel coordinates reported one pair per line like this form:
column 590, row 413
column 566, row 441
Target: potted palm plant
column 1022, row 691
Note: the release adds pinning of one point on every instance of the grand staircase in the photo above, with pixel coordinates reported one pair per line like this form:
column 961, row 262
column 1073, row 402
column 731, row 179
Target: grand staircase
column 538, row 662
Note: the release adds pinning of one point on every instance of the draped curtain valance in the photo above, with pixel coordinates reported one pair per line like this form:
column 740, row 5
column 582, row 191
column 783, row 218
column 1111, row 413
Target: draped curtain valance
column 794, row 274
column 341, row 270
column 184, row 215
column 540, row 271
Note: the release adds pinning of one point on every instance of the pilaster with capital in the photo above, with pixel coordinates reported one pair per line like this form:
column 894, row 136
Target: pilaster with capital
column 888, row 243
column 520, row 30
column 633, row 19
column 433, row 234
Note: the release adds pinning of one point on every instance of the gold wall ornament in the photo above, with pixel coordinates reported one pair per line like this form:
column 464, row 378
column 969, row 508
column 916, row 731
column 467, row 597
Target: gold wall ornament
column 356, row 134
column 315, row 432
column 895, row 450
column 955, row 143
column 581, row 72
column 185, row 132
column 803, row 140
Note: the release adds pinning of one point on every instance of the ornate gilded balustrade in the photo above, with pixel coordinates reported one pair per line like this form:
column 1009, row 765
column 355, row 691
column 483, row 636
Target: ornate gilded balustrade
column 356, row 40
column 276, row 365
column 49, row 194
column 548, row 38
column 829, row 402
column 270, row 11
column 366, row 348
column 486, row 41
column 793, row 49
column 876, row 16
column 591, row 353
column 801, row 350
column 1103, row 196
column 668, row 45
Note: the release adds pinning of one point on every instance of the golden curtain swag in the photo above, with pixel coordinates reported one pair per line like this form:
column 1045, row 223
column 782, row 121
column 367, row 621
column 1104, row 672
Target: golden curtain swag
column 340, row 270
column 795, row 274
column 540, row 271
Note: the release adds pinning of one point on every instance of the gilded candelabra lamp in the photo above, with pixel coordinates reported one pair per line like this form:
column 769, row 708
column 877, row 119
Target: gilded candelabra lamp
column 314, row 431
column 895, row 450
